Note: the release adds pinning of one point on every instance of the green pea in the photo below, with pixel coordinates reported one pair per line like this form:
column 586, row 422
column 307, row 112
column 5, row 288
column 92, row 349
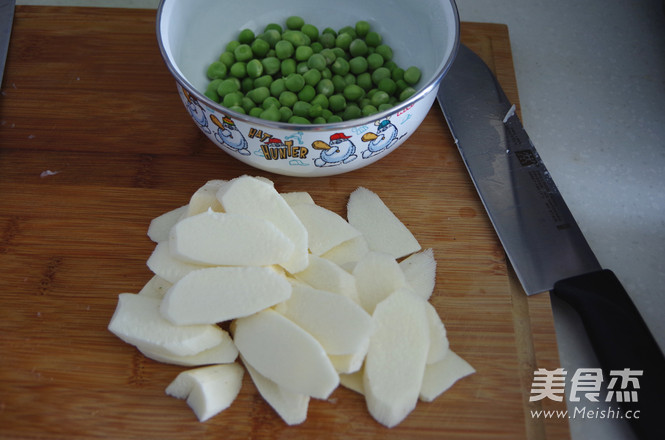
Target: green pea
column 227, row 86
column 412, row 75
column 327, row 40
column 340, row 66
column 329, row 55
column 314, row 111
column 321, row 100
column 247, row 104
column 258, row 95
column 379, row 98
column 364, row 80
column 358, row 65
column 216, row 70
column 271, row 114
column 287, row 98
column 243, row 52
column 385, row 51
column 319, row 120
column 358, row 47
column 232, row 99
column 301, row 108
column 317, row 47
column 343, row 41
column 271, row 65
column 246, row 36
column 340, row 53
column 288, row 67
column 270, row 101
column 302, row 67
column 338, row 83
column 397, row 74
column 284, row 49
column 285, row 113
column 297, row 38
column 329, row 30
column 295, row 22
column 362, row 28
column 351, row 31
column 336, row 103
column 369, row 110
column 307, row 93
column 227, row 58
column 312, row 77
column 379, row 74
column 326, row 113
column 239, row 69
column 374, row 61
column 211, row 90
column 325, row 87
column 334, row 119
column 271, row 36
column 390, row 64
column 256, row 112
column 349, row 78
column 326, row 73
column 231, row 45
column 277, row 87
column 237, row 109
column 254, row 68
column 401, row 85
column 406, row 93
column 384, row 107
column 260, row 47
column 294, row 82
column 299, row 120
column 273, row 26
column 373, row 39
column 311, row 31
column 317, row 61
column 263, row 81
column 387, row 85
column 353, row 92
column 352, row 111
column 246, row 84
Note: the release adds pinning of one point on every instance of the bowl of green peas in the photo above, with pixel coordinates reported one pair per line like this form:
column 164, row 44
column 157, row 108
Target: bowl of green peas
column 308, row 88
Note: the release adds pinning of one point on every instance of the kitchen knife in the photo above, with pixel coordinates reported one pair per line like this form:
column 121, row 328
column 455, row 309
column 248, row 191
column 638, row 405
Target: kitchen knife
column 540, row 236
column 6, row 19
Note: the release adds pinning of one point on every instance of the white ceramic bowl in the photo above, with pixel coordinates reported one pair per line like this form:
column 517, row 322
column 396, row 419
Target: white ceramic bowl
column 193, row 33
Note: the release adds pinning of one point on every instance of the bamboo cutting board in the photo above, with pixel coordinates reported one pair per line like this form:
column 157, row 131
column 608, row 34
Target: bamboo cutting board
column 94, row 143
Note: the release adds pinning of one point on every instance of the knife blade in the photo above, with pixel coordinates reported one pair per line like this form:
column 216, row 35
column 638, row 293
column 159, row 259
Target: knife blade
column 540, row 235
column 6, row 20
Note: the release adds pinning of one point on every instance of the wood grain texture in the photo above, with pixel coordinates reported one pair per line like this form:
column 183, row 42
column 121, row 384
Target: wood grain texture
column 87, row 96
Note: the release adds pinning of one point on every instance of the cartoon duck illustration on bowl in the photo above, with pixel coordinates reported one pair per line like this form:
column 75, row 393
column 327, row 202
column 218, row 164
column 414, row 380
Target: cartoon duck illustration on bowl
column 340, row 150
column 228, row 135
column 383, row 139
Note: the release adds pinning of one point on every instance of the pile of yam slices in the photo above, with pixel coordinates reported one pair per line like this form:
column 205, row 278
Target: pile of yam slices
column 310, row 300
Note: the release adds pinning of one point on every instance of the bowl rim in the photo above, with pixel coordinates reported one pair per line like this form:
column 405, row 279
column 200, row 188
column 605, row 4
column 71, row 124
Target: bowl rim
column 429, row 87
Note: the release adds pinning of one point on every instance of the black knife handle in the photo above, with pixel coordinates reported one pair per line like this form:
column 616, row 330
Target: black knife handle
column 621, row 339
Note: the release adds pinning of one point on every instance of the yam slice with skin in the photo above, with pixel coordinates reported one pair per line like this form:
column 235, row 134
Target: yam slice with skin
column 442, row 375
column 257, row 198
column 208, row 390
column 285, row 353
column 396, row 359
column 325, row 228
column 138, row 321
column 227, row 239
column 381, row 228
column 160, row 226
column 218, row 294
column 291, row 407
column 420, row 272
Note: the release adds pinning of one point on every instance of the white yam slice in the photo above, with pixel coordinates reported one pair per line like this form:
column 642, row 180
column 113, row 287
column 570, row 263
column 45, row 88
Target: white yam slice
column 325, row 228
column 285, row 353
column 219, row 294
column 380, row 226
column 205, row 198
column 257, row 198
column 208, row 390
column 222, row 353
column 156, row 287
column 349, row 363
column 291, row 407
column 297, row 197
column 395, row 362
column 338, row 323
column 377, row 275
column 160, row 226
column 442, row 375
column 347, row 254
column 163, row 264
column 420, row 272
column 325, row 275
column 353, row 381
column 138, row 322
column 438, row 339
column 216, row 238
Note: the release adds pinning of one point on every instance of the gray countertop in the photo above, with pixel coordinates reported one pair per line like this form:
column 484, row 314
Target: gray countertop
column 591, row 79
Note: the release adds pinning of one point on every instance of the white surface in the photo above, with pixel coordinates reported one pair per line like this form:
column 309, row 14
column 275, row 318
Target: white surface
column 591, row 79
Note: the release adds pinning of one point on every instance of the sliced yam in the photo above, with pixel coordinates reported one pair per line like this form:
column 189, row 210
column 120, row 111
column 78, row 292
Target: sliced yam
column 325, row 228
column 227, row 239
column 218, row 294
column 156, row 287
column 442, row 375
column 339, row 324
column 325, row 275
column 382, row 229
column 163, row 264
column 205, row 198
column 377, row 275
column 222, row 353
column 285, row 353
column 438, row 338
column 138, row 321
column 353, row 381
column 257, row 198
column 396, row 359
column 420, row 272
column 160, row 226
column 347, row 254
column 297, row 197
column 208, row 390
column 291, row 407
column 349, row 363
